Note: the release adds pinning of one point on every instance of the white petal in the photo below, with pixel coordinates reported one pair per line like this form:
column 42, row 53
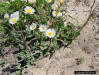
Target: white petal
column 33, row 26
column 60, row 14
column 6, row 15
column 48, row 1
column 32, row 1
column 15, row 14
column 32, row 10
column 53, row 13
column 10, row 20
column 50, row 30
column 42, row 30
column 54, row 6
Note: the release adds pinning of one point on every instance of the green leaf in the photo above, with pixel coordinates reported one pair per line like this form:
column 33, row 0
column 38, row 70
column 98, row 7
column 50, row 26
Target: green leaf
column 2, row 62
column 21, row 46
column 17, row 66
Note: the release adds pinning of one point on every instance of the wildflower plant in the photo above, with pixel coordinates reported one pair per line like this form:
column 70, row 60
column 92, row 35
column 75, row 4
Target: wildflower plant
column 35, row 27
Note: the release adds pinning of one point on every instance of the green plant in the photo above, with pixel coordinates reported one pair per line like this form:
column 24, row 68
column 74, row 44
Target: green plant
column 35, row 29
column 80, row 60
column 2, row 62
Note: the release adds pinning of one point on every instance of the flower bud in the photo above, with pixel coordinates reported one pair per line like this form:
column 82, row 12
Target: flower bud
column 6, row 15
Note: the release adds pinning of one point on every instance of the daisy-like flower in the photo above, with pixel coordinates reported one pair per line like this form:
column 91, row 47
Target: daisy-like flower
column 43, row 28
column 13, row 20
column 15, row 14
column 56, row 14
column 14, row 17
column 54, row 6
column 50, row 33
column 48, row 1
column 6, row 15
column 33, row 26
column 32, row 1
column 29, row 10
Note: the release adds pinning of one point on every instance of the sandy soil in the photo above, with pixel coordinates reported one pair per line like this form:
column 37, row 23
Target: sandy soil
column 86, row 45
column 64, row 61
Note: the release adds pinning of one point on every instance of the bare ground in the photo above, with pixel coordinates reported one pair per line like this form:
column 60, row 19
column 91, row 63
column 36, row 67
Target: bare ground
column 86, row 45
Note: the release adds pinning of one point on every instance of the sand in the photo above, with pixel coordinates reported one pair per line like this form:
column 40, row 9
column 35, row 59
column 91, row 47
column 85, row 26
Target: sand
column 86, row 45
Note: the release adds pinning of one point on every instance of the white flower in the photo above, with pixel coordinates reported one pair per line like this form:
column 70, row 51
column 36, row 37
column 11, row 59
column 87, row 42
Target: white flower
column 32, row 1
column 7, row 2
column 49, row 1
column 12, row 0
column 65, row 23
column 15, row 14
column 50, row 33
column 43, row 28
column 6, row 15
column 14, row 17
column 56, row 14
column 29, row 10
column 33, row 26
column 54, row 6
column 13, row 20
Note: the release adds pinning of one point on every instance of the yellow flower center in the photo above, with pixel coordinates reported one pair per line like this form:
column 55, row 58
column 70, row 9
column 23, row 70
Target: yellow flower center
column 33, row 27
column 61, row 1
column 48, row 0
column 56, row 13
column 14, row 20
column 29, row 10
column 43, row 28
column 50, row 33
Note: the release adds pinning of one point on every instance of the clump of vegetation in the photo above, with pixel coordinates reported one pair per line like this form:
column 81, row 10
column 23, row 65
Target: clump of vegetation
column 35, row 27
column 80, row 60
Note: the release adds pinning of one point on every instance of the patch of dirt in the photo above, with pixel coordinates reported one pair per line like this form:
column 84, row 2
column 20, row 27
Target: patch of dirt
column 86, row 45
